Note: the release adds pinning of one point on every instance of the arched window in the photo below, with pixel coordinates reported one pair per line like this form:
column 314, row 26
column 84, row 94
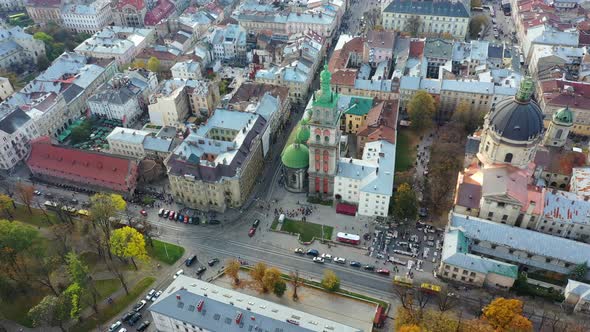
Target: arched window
column 559, row 133
column 326, row 139
column 326, row 186
column 326, row 155
column 317, row 138
column 508, row 158
column 317, row 185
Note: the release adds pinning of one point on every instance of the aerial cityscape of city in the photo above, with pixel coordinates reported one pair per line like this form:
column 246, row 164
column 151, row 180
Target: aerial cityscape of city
column 295, row 165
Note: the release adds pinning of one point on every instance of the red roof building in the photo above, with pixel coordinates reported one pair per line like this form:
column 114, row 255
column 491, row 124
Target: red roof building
column 84, row 169
column 162, row 10
column 381, row 124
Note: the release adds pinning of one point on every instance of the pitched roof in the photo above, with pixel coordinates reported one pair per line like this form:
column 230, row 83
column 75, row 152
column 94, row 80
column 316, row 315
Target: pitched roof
column 105, row 168
column 137, row 4
column 14, row 120
column 381, row 122
column 434, row 8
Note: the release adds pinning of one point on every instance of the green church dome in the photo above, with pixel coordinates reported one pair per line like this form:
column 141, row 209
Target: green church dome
column 296, row 156
column 564, row 116
column 303, row 134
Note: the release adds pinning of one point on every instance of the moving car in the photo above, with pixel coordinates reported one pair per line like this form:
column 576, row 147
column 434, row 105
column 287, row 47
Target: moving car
column 213, row 261
column 134, row 319
column 384, row 272
column 369, row 268
column 139, row 305
column 339, row 260
column 179, row 272
column 251, row 232
column 115, row 326
column 201, row 270
column 256, row 223
column 313, row 252
column 318, row 260
column 189, row 261
column 355, row 264
column 299, row 251
column 143, row 326
column 143, row 213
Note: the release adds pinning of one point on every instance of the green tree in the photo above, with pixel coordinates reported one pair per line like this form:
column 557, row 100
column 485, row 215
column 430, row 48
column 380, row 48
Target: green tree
column 223, row 87
column 79, row 274
column 43, row 62
column 127, row 242
column 16, row 242
column 421, row 110
column 43, row 269
column 470, row 119
column 51, row 311
column 43, row 37
column 413, row 25
column 279, row 288
column 330, row 282
column 72, row 295
column 478, row 23
column 82, row 132
column 405, row 203
column 579, row 272
column 153, row 64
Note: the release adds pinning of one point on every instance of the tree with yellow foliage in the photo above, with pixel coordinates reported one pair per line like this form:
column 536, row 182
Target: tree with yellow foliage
column 6, row 204
column 257, row 274
column 506, row 315
column 232, row 269
column 127, row 242
column 103, row 207
column 409, row 328
column 330, row 282
column 271, row 277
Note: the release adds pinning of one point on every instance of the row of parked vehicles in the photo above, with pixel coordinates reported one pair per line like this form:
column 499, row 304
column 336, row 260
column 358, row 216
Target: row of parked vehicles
column 321, row 259
column 178, row 216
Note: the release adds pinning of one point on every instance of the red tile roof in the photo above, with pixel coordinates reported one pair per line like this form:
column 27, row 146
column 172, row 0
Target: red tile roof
column 576, row 95
column 416, row 48
column 137, row 4
column 339, row 58
column 381, row 122
column 162, row 10
column 344, row 77
column 83, row 167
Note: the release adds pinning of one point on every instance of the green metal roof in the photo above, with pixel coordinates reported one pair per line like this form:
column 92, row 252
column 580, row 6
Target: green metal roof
column 325, row 97
column 296, row 156
column 303, row 134
column 359, row 106
column 564, row 116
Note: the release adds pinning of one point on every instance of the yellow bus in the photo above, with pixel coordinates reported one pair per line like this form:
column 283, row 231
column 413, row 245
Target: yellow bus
column 426, row 287
column 403, row 281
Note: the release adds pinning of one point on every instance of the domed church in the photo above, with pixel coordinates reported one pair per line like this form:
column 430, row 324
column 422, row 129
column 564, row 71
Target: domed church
column 512, row 130
column 295, row 158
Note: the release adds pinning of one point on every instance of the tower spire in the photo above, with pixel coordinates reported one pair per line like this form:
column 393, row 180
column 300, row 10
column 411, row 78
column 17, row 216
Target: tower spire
column 525, row 91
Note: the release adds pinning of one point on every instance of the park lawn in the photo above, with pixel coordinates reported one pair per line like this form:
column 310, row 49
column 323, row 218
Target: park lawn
column 307, row 230
column 114, row 309
column 405, row 155
column 107, row 287
column 164, row 252
column 37, row 218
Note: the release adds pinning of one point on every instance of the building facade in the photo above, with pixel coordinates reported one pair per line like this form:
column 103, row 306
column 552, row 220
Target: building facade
column 87, row 18
column 169, row 106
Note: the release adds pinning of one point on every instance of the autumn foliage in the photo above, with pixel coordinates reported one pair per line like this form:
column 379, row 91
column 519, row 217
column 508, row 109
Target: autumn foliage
column 506, row 315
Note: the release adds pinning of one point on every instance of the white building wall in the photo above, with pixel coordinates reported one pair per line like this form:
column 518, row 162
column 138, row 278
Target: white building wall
column 130, row 111
column 14, row 147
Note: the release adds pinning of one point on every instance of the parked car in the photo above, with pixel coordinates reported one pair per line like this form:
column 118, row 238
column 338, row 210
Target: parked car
column 369, row 268
column 201, row 270
column 139, row 305
column 158, row 293
column 355, row 264
column 339, row 260
column 423, row 212
column 116, row 325
column 186, row 219
column 161, row 212
column 127, row 316
column 251, row 232
column 179, row 217
column 384, row 272
column 143, row 326
column 166, row 213
column 327, row 257
column 150, row 295
column 134, row 319
column 189, row 261
column 143, row 213
column 123, row 330
column 313, row 252
column 256, row 223
column 299, row 251
column 172, row 215
column 318, row 260
column 37, row 192
column 213, row 261
column 179, row 272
